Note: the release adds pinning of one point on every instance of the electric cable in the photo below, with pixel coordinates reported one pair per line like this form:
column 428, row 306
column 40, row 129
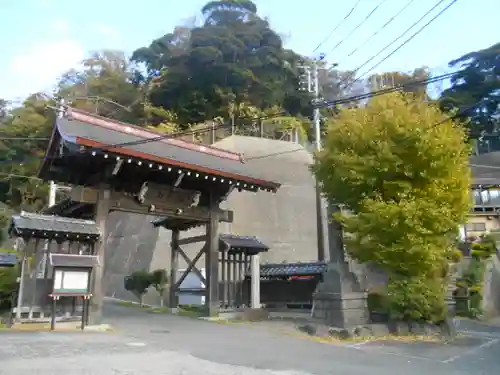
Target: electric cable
column 408, row 39
column 406, row 6
column 340, row 23
column 358, row 26
column 401, row 36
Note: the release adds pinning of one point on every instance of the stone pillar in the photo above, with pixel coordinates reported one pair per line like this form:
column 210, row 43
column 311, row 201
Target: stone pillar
column 340, row 299
column 101, row 217
column 255, row 286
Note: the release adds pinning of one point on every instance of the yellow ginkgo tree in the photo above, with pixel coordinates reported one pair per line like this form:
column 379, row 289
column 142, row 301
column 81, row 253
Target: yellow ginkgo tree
column 400, row 168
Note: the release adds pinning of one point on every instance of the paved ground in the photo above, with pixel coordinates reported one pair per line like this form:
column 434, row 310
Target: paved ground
column 148, row 343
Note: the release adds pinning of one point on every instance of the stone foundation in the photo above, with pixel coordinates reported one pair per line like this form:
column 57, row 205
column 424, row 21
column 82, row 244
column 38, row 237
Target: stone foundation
column 342, row 310
column 445, row 330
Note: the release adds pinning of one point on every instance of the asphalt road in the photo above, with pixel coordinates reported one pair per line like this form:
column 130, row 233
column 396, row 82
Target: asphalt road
column 147, row 343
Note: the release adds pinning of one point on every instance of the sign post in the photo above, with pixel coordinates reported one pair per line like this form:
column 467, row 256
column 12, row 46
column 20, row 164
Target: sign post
column 71, row 278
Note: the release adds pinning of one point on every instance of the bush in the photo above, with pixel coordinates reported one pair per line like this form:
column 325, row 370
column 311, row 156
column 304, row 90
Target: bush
column 8, row 286
column 456, row 256
column 138, row 283
column 416, row 299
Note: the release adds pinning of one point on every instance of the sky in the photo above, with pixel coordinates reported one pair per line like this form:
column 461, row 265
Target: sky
column 41, row 39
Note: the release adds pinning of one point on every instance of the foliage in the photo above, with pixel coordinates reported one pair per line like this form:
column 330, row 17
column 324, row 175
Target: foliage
column 159, row 280
column 404, row 184
column 468, row 294
column 235, row 57
column 416, row 299
column 391, row 79
column 138, row 283
column 8, row 286
column 4, row 221
column 474, row 89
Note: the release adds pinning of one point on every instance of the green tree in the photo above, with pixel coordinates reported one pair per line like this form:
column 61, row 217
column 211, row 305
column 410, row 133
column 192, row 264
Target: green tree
column 206, row 72
column 474, row 90
column 391, row 79
column 138, row 283
column 404, row 182
column 32, row 121
column 160, row 280
column 105, row 85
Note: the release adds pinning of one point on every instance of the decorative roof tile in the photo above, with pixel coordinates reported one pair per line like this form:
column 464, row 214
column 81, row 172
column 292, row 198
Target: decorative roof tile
column 292, row 269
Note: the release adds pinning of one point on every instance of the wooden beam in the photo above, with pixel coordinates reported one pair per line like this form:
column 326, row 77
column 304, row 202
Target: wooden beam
column 192, row 265
column 195, row 239
column 190, row 268
column 175, row 205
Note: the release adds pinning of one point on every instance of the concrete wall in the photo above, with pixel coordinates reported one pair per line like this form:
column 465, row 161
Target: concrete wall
column 285, row 221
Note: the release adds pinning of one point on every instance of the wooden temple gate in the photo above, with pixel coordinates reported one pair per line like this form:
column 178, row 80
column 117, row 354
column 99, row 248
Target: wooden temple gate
column 40, row 236
column 114, row 166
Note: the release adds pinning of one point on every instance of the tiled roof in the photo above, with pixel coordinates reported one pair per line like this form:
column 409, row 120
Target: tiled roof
column 46, row 226
column 175, row 152
column 292, row 269
column 248, row 244
column 73, row 260
column 8, row 259
column 176, row 223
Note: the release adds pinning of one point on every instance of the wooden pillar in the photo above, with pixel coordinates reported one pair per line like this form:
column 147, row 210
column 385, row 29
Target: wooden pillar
column 101, row 216
column 212, row 261
column 174, row 268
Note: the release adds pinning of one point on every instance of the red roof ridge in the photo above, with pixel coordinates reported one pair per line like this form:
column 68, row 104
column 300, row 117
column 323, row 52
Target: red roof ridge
column 123, row 127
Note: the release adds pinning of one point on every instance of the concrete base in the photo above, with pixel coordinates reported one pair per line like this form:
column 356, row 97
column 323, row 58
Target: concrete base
column 341, row 310
column 339, row 300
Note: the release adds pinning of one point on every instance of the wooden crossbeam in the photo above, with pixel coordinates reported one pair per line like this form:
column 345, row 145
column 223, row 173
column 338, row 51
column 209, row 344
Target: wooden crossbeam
column 167, row 206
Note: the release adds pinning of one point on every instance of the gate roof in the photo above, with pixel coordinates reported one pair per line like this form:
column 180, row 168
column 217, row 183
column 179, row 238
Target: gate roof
column 53, row 227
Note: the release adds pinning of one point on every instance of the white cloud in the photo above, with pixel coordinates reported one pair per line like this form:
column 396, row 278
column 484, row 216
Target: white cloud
column 39, row 67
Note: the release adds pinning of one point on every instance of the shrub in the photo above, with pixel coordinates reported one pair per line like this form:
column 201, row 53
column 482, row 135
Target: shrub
column 159, row 279
column 8, row 286
column 138, row 283
column 456, row 256
column 416, row 299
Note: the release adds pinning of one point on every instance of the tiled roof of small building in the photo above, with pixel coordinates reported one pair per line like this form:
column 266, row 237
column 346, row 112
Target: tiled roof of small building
column 47, row 226
column 249, row 244
column 292, row 269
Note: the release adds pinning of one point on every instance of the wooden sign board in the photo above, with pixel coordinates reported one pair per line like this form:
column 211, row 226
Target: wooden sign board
column 71, row 281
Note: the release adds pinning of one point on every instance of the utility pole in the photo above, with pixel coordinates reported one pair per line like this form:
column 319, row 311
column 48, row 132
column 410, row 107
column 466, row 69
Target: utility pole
column 310, row 83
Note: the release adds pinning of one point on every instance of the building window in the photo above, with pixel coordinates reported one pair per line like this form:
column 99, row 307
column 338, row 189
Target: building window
column 476, row 227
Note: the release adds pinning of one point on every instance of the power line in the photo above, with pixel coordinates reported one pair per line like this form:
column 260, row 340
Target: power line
column 409, row 84
column 409, row 39
column 340, row 23
column 448, row 118
column 358, row 26
column 207, row 129
column 407, row 5
column 398, row 38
